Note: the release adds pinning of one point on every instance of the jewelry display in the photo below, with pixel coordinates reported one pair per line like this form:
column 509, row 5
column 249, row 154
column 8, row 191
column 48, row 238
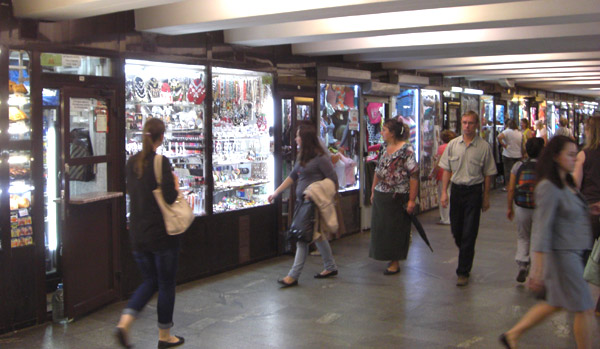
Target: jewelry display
column 174, row 95
column 242, row 155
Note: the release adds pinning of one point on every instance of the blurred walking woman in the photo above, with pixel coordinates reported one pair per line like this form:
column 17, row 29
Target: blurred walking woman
column 393, row 196
column 155, row 252
column 561, row 237
column 312, row 165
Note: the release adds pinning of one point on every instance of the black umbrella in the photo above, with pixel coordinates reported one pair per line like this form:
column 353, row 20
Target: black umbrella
column 420, row 230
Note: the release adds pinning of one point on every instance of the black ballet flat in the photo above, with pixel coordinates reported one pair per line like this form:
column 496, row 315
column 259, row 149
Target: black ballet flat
column 122, row 338
column 166, row 344
column 504, row 341
column 286, row 285
column 324, row 276
column 391, row 272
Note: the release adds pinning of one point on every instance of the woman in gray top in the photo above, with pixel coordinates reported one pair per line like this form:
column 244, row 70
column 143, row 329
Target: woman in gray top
column 561, row 237
column 313, row 164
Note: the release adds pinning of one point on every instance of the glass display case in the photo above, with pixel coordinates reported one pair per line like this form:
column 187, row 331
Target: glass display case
column 407, row 109
column 430, row 128
column 18, row 153
column 339, row 130
column 468, row 102
column 174, row 93
column 20, row 190
column 243, row 139
column 451, row 110
column 19, row 104
column 51, row 129
column 486, row 117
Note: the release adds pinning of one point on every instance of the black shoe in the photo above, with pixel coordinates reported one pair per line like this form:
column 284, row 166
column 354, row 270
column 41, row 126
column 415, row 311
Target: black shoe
column 504, row 341
column 122, row 338
column 286, row 285
column 165, row 344
column 324, row 276
column 391, row 272
column 522, row 276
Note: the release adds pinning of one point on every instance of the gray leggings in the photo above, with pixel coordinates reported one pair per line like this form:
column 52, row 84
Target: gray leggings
column 302, row 252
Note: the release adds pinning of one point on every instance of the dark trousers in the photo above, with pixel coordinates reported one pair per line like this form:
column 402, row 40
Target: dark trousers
column 158, row 270
column 465, row 210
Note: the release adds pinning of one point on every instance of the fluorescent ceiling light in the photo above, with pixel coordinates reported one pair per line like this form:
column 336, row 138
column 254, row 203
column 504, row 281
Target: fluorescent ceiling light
column 456, row 89
column 472, row 91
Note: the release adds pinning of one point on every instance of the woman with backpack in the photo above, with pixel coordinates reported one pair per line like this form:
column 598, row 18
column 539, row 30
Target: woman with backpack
column 520, row 191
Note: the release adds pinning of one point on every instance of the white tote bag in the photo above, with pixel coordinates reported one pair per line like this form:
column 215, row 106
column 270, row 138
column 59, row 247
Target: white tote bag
column 178, row 216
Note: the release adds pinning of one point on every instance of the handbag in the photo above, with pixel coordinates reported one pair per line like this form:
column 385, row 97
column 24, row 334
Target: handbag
column 591, row 273
column 178, row 216
column 303, row 223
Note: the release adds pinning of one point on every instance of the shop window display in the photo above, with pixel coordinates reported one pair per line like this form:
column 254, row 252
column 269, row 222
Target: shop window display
column 20, row 191
column 468, row 102
column 407, row 107
column 19, row 103
column 75, row 64
column 20, row 186
column 339, row 130
column 430, row 128
column 486, row 116
column 243, row 164
column 175, row 94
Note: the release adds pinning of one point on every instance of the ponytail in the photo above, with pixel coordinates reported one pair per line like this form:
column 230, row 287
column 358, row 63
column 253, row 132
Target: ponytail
column 154, row 130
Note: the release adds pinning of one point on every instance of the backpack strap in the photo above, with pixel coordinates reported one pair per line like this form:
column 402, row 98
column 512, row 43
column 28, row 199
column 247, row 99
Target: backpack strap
column 158, row 168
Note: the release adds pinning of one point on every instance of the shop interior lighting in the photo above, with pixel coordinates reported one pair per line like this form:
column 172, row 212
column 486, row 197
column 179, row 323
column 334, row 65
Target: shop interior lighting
column 472, row 91
column 18, row 160
column 456, row 89
column 51, row 187
column 15, row 100
column 136, row 67
column 19, row 187
column 17, row 128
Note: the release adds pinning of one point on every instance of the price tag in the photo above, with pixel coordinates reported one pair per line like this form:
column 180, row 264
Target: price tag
column 23, row 212
column 353, row 122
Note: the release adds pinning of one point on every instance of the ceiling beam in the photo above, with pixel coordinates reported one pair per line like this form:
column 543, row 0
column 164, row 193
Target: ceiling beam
column 193, row 16
column 532, row 46
column 497, row 59
column 513, row 66
column 445, row 39
column 75, row 9
column 539, row 12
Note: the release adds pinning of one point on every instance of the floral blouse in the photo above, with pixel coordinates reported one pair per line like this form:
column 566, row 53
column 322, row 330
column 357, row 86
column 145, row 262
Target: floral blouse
column 394, row 171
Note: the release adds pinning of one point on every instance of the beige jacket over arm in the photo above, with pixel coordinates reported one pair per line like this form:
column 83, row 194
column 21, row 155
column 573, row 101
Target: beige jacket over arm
column 322, row 193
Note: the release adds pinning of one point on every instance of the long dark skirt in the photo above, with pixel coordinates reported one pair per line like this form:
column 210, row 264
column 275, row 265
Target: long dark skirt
column 390, row 227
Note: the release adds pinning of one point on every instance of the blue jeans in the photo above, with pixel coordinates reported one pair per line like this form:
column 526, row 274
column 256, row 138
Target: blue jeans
column 302, row 251
column 158, row 270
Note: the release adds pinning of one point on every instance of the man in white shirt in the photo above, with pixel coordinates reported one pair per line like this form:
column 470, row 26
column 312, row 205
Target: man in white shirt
column 511, row 141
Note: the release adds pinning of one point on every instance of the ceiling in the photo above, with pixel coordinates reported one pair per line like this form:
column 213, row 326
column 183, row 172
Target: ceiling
column 545, row 44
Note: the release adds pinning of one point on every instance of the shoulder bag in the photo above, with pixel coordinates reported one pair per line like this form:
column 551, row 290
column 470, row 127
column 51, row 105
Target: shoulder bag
column 178, row 216
column 591, row 273
column 303, row 222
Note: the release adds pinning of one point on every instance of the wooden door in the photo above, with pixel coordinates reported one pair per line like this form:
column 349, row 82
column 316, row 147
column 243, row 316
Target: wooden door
column 90, row 211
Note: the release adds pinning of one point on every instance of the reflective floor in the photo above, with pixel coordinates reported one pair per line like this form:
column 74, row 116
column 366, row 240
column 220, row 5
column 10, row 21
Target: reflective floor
column 360, row 308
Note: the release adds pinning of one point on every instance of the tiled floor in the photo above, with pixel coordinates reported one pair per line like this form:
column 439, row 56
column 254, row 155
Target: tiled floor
column 360, row 308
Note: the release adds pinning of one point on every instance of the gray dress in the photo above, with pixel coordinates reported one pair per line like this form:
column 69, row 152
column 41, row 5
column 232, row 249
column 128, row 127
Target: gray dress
column 561, row 229
column 390, row 224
